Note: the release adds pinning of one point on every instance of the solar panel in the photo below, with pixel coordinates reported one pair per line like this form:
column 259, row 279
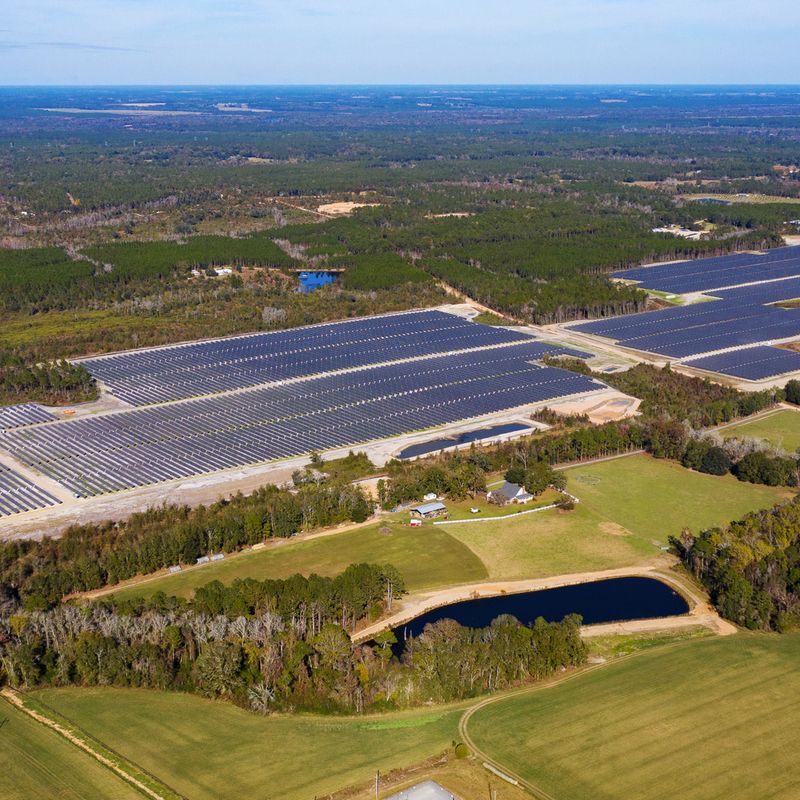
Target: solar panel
column 713, row 273
column 24, row 414
column 107, row 453
column 751, row 363
column 203, row 368
column 17, row 494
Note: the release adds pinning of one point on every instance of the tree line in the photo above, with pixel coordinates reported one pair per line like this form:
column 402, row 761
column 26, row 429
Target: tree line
column 90, row 556
column 282, row 648
column 751, row 567
column 52, row 383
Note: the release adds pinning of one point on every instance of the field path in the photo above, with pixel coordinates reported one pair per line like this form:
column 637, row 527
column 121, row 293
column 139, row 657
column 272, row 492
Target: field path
column 127, row 775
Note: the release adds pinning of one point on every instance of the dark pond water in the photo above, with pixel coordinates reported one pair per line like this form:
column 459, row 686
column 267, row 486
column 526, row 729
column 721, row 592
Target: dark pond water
column 434, row 445
column 613, row 600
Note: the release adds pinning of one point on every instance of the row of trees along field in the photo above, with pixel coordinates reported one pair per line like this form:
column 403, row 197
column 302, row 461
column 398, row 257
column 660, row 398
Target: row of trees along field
column 278, row 645
column 91, row 556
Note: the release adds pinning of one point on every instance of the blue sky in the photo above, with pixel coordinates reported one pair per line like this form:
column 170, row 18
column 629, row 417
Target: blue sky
column 399, row 41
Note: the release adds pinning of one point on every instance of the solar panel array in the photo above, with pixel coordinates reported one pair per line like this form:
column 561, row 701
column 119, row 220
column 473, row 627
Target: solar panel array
column 739, row 318
column 193, row 370
column 713, row 273
column 25, row 414
column 123, row 450
column 18, row 494
column 751, row 363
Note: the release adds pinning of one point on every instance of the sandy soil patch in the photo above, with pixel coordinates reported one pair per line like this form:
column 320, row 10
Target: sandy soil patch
column 610, row 407
column 347, row 207
column 614, row 529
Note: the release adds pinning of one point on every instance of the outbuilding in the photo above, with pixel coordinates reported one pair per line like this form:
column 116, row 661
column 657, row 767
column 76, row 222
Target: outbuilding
column 429, row 511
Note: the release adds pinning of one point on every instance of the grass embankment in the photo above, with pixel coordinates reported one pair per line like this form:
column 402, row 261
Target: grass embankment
column 705, row 719
column 207, row 749
column 781, row 429
column 36, row 763
column 629, row 507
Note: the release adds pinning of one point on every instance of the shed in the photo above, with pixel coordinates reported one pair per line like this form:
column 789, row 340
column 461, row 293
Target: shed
column 429, row 511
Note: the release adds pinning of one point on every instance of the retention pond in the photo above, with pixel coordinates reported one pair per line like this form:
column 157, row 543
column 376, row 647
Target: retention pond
column 612, row 600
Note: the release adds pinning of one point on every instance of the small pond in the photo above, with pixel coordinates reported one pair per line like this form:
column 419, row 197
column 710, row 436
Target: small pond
column 434, row 445
column 612, row 600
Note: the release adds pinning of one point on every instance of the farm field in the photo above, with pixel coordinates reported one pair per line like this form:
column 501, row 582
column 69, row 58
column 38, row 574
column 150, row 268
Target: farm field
column 611, row 527
column 705, row 719
column 781, row 429
column 205, row 749
column 425, row 560
column 37, row 764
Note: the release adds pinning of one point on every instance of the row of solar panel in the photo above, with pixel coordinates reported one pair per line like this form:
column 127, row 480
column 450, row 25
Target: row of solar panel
column 18, row 494
column 713, row 273
column 128, row 449
column 194, row 370
column 25, row 414
column 751, row 363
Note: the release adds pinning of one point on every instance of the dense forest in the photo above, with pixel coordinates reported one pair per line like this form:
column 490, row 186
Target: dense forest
column 52, row 383
column 279, row 645
column 751, row 568
column 109, row 225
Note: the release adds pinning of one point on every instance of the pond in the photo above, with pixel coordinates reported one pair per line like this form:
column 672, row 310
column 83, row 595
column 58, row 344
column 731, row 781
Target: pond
column 434, row 445
column 612, row 600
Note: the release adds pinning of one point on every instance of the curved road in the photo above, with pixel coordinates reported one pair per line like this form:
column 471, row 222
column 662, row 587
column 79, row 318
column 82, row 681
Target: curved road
column 463, row 723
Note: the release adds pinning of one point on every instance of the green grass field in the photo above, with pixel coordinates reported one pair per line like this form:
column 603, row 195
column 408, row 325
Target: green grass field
column 425, row 559
column 38, row 764
column 704, row 720
column 781, row 429
column 629, row 507
column 205, row 749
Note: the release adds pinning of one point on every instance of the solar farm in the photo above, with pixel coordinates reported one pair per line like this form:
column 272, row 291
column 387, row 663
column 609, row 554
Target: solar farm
column 734, row 332
column 244, row 401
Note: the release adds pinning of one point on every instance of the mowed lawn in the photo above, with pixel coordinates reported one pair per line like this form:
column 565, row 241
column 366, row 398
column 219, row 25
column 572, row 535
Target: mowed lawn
column 629, row 507
column 38, row 764
column 704, row 720
column 210, row 750
column 655, row 498
column 781, row 429
column 425, row 559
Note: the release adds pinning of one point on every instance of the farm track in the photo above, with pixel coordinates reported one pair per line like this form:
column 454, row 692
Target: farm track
column 126, row 774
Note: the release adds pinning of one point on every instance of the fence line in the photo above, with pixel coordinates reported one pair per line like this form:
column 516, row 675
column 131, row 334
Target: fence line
column 505, row 516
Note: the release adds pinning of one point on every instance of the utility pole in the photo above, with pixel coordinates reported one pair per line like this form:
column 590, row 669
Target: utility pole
column 377, row 784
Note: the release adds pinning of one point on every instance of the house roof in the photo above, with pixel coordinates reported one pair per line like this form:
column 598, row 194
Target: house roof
column 427, row 508
column 511, row 490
